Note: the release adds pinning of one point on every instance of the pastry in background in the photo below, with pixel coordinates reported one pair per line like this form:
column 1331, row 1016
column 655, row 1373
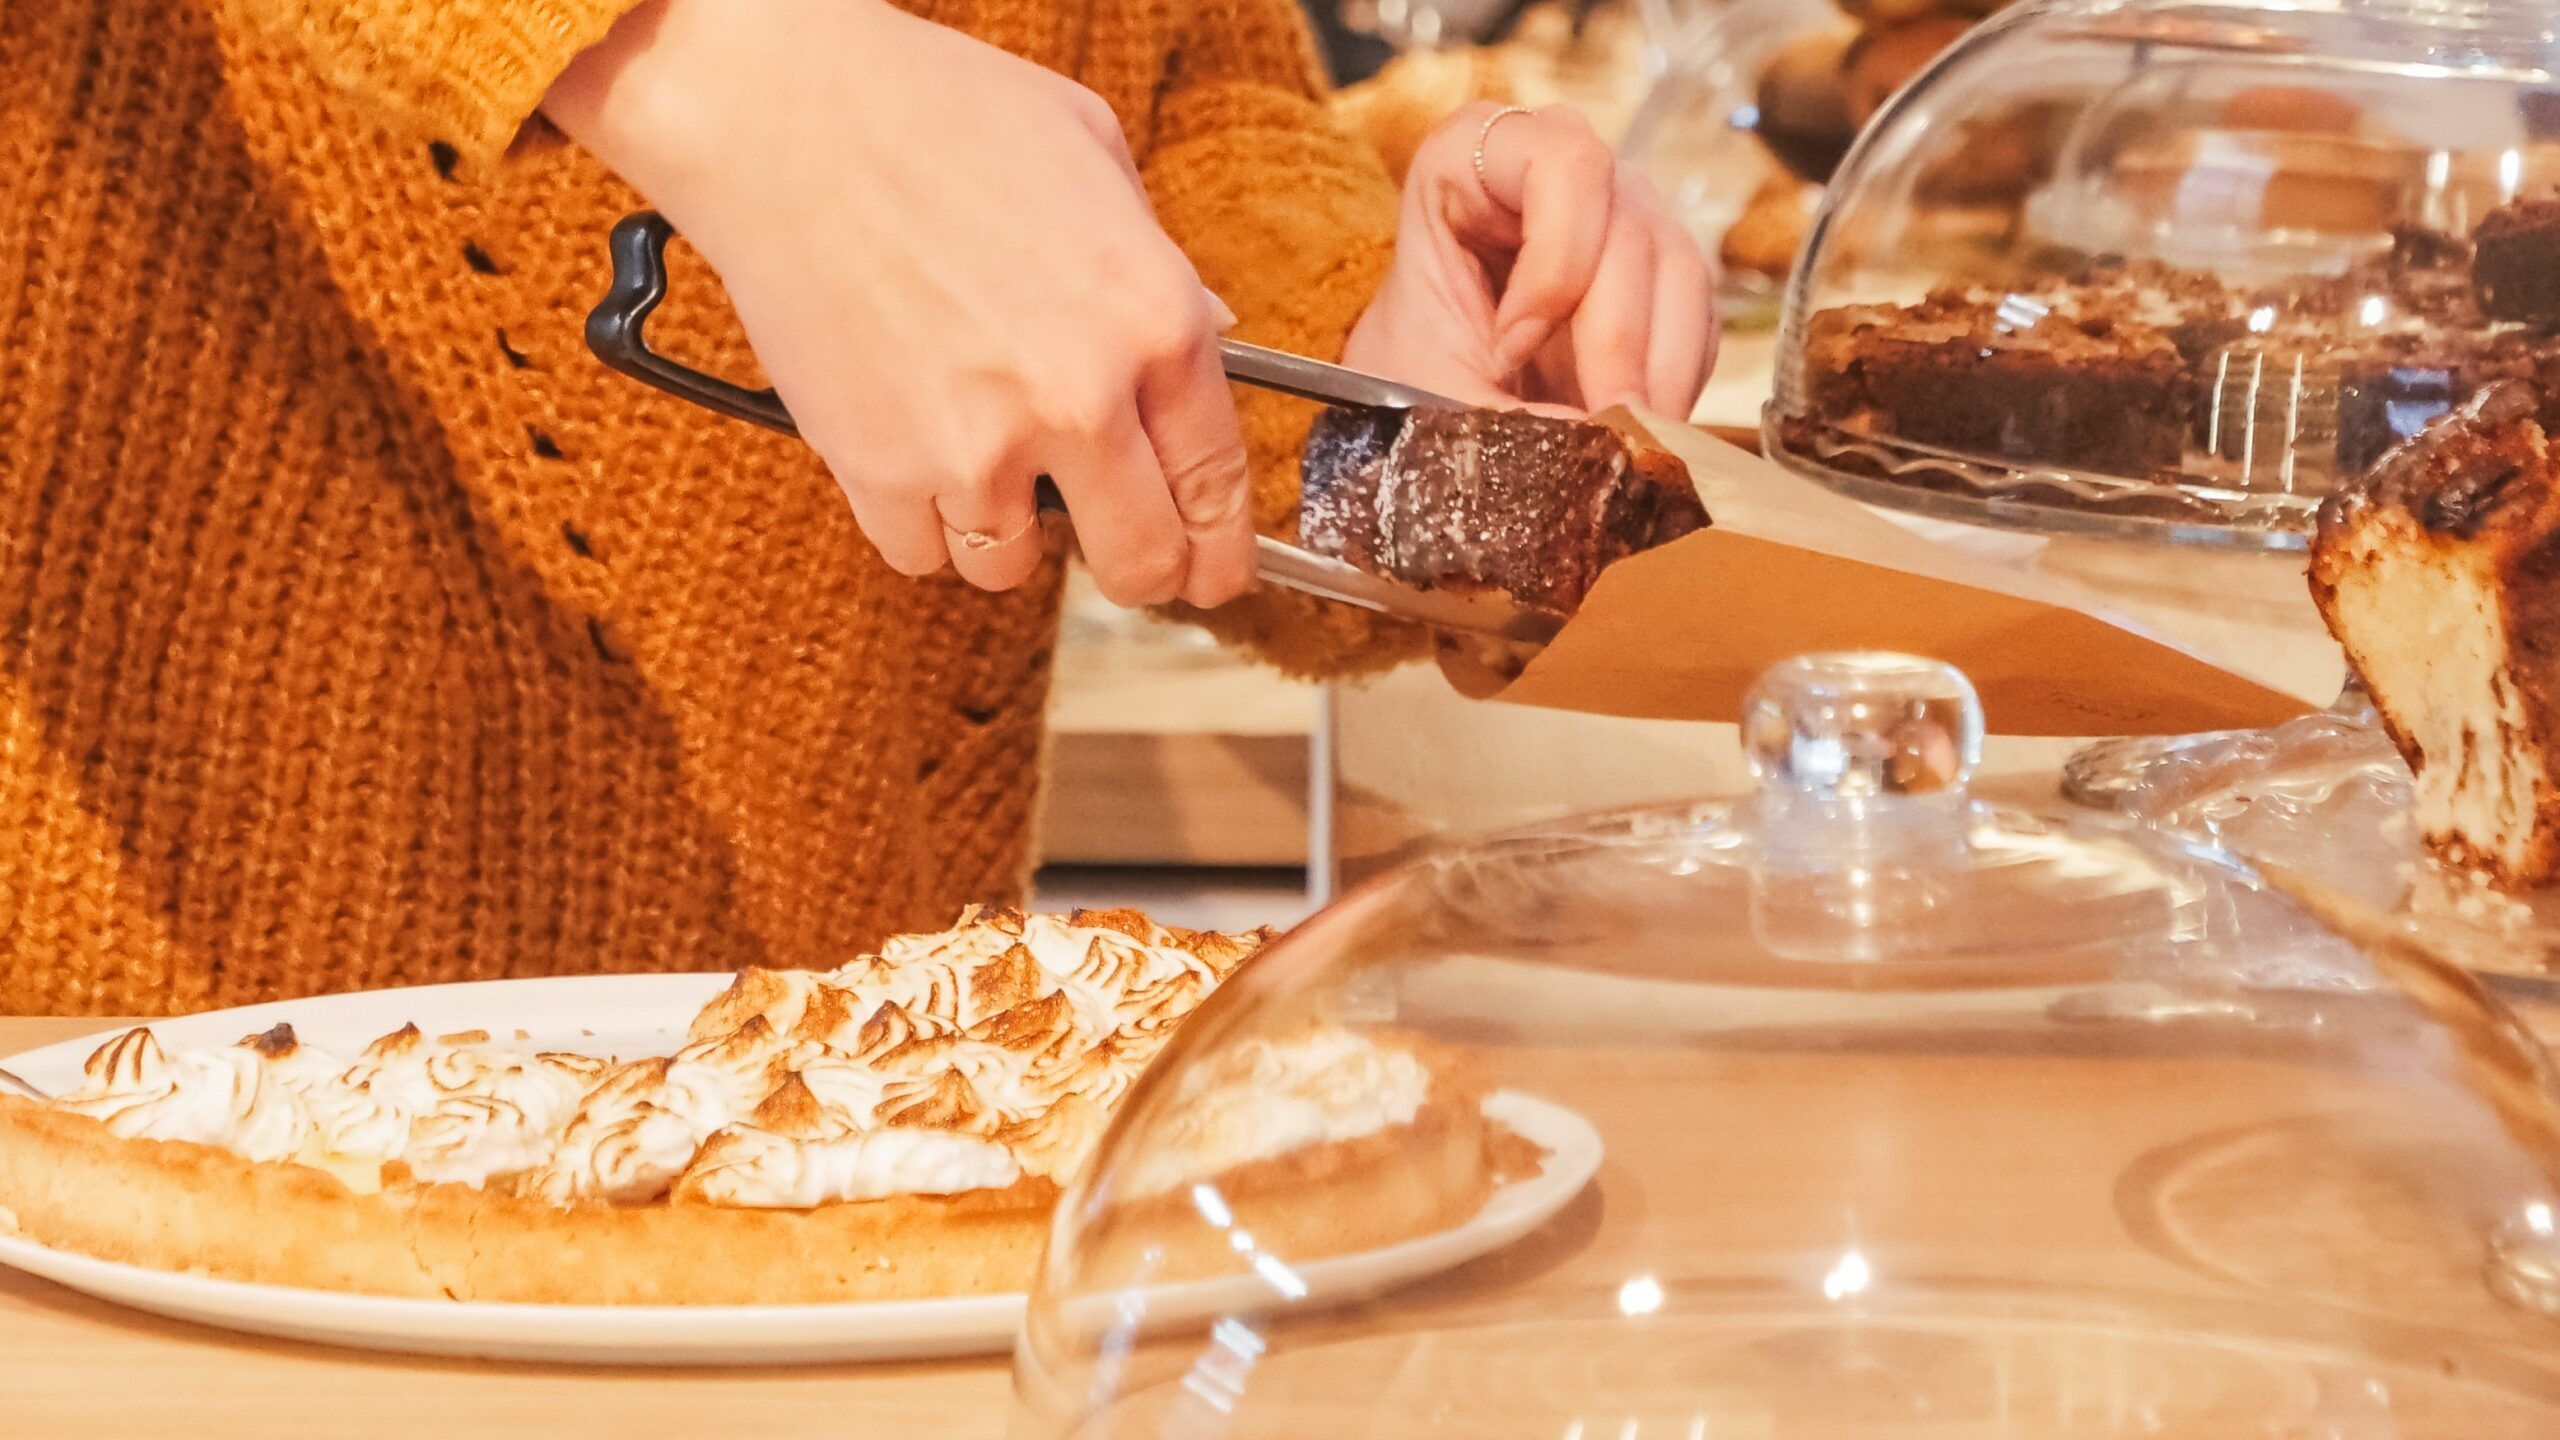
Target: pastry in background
column 2515, row 265
column 1882, row 60
column 1593, row 62
column 1770, row 232
column 2433, row 572
column 1398, row 108
column 1803, row 104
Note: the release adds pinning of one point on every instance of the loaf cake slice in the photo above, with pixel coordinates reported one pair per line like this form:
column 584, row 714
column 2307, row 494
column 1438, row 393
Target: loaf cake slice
column 2439, row 572
column 1531, row 506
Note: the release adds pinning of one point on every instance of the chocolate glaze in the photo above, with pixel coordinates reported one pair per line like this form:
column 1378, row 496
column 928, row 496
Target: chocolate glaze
column 1526, row 504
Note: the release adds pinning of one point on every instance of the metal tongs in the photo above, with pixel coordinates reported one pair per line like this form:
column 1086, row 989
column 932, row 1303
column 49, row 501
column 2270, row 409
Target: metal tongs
column 639, row 247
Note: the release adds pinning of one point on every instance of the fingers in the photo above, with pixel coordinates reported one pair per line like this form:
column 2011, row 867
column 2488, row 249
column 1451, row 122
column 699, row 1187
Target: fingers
column 1551, row 171
column 902, row 524
column 1685, row 323
column 1190, row 418
column 1132, row 537
column 993, row 533
column 1612, row 329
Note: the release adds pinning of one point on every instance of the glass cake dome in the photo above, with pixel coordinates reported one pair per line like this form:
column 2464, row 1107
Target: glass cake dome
column 1854, row 1110
column 2172, row 268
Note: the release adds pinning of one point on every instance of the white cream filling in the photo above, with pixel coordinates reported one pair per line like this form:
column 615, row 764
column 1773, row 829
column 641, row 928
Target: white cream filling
column 757, row 1170
column 569, row 1129
column 1271, row 1097
column 225, row 1097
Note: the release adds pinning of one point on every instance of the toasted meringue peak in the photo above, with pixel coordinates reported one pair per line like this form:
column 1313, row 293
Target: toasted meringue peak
column 274, row 1043
column 893, row 1027
column 829, row 1013
column 750, row 1042
column 1165, row 1004
column 1132, row 923
column 573, row 1066
column 131, row 1061
column 777, row 995
column 1031, row 1026
column 1222, row 953
column 407, row 1040
column 1012, row 978
column 947, row 1101
column 632, row 1079
column 792, row 1111
column 1054, row 1142
column 1004, row 918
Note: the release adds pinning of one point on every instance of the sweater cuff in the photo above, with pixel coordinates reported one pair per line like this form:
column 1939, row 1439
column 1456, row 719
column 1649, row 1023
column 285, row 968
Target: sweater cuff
column 470, row 73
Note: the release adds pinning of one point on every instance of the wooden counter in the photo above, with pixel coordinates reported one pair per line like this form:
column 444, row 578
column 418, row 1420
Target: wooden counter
column 76, row 1367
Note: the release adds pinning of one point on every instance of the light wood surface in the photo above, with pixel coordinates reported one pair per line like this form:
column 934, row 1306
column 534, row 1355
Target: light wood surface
column 2040, row 1175
column 1166, row 750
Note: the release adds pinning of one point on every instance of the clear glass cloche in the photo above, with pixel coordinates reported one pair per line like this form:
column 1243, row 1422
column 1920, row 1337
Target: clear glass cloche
column 2173, row 268
column 1855, row 1110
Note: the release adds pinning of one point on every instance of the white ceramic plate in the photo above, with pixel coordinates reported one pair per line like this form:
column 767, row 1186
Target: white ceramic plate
column 646, row 1014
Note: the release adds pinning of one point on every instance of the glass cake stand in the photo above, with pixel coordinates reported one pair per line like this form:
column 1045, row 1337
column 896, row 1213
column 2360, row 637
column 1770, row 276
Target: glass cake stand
column 1905, row 1114
column 2228, row 263
column 2163, row 269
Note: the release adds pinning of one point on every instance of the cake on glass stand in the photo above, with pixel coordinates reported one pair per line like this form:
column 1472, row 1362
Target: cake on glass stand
column 2240, row 269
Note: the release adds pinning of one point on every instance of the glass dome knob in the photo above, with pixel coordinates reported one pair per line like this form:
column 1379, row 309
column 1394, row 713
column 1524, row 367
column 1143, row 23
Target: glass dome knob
column 1859, row 725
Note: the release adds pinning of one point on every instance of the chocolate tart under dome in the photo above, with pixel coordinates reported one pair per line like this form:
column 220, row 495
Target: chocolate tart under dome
column 2262, row 244
column 1916, row 1116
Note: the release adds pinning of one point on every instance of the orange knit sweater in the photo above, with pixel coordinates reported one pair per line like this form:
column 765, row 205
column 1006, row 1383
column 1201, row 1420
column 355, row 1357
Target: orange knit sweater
column 357, row 628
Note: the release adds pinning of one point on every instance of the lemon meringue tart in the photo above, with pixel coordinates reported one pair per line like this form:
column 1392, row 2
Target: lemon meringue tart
column 894, row 1129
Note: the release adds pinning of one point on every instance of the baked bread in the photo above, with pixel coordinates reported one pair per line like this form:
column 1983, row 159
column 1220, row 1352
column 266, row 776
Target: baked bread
column 2434, row 571
column 896, row 1129
column 1530, row 506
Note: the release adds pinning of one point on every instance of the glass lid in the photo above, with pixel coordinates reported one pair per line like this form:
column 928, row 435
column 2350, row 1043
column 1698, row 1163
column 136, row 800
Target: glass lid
column 2235, row 252
column 2329, row 795
column 1855, row 1109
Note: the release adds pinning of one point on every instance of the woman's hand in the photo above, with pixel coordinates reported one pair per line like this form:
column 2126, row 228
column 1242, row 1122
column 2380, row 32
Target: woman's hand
column 945, row 262
column 1553, row 277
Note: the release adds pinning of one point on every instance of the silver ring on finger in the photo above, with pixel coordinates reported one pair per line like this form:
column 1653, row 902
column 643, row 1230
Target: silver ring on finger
column 1485, row 134
column 984, row 540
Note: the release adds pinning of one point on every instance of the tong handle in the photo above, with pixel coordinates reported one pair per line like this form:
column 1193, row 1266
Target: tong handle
column 615, row 330
column 617, row 333
column 639, row 249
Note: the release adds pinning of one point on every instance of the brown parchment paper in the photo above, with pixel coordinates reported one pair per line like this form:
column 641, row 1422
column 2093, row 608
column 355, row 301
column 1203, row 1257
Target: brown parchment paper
column 1788, row 567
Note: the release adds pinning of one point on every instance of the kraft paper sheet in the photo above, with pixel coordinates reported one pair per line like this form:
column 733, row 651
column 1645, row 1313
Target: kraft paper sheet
column 1789, row 567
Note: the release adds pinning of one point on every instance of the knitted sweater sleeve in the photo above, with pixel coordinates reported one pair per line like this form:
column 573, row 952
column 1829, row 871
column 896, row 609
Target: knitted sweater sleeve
column 466, row 72
column 1291, row 222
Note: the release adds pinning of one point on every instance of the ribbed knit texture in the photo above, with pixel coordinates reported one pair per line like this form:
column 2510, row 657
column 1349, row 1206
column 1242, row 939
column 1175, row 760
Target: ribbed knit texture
column 357, row 628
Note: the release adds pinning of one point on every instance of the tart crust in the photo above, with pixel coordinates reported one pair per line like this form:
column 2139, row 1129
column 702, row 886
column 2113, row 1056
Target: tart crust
column 69, row 1183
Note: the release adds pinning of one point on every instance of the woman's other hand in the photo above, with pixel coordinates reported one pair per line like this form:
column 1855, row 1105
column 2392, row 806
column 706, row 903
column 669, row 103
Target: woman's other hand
column 946, row 264
column 1548, row 274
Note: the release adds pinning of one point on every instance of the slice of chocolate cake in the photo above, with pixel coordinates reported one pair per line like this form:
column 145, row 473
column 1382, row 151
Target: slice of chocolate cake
column 1527, row 505
column 2515, row 261
column 2011, row 380
column 2439, row 572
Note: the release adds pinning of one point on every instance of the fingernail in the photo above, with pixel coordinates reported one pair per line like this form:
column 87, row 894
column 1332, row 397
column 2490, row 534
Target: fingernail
column 1226, row 318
